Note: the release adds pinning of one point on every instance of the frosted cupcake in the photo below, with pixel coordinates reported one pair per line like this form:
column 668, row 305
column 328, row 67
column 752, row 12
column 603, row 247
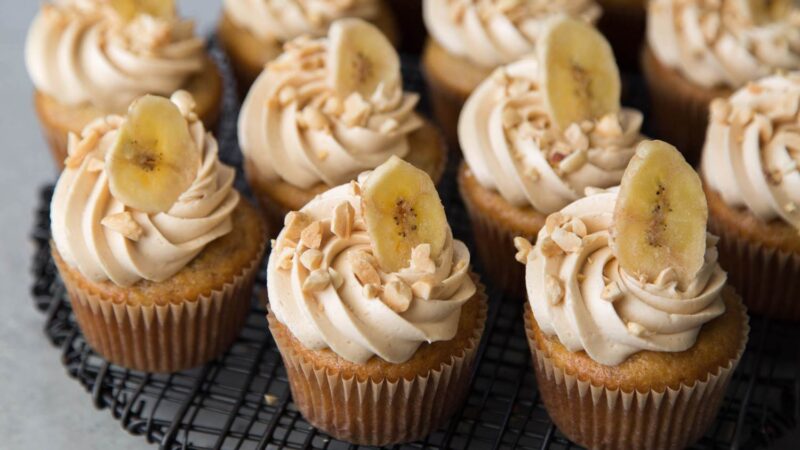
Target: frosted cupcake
column 470, row 38
column 374, row 309
column 157, row 250
column 92, row 58
column 633, row 331
column 701, row 50
column 531, row 146
column 326, row 110
column 253, row 32
column 753, row 186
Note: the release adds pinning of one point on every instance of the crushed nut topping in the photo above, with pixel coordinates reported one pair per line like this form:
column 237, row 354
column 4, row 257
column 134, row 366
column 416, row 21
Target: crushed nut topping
column 421, row 259
column 363, row 269
column 397, row 295
column 554, row 291
column 523, row 247
column 611, row 292
column 311, row 236
column 343, row 219
column 311, row 259
column 422, row 289
column 317, row 280
column 123, row 224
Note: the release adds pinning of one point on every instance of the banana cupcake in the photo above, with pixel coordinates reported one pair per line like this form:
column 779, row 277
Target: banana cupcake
column 470, row 38
column 157, row 250
column 374, row 308
column 753, row 186
column 326, row 110
column 701, row 50
column 92, row 58
column 253, row 32
column 634, row 333
column 536, row 135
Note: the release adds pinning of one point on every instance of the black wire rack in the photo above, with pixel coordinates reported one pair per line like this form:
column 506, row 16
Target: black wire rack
column 241, row 400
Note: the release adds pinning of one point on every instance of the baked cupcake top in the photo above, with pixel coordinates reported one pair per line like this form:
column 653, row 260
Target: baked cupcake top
column 371, row 268
column 328, row 109
column 630, row 268
column 108, row 53
column 526, row 134
column 724, row 42
column 280, row 21
column 141, row 195
column 494, row 32
column 751, row 151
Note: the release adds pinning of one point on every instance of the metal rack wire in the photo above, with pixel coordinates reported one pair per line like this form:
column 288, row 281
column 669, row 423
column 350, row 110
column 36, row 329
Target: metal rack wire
column 241, row 400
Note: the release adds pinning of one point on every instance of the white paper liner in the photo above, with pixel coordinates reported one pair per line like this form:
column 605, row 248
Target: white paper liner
column 378, row 412
column 600, row 417
column 164, row 338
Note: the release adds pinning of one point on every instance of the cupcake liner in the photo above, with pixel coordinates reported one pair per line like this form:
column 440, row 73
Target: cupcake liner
column 765, row 277
column 377, row 411
column 164, row 338
column 599, row 417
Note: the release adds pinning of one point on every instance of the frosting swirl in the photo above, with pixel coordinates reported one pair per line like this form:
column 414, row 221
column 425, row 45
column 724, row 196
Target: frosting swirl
column 512, row 147
column 719, row 43
column 81, row 51
column 316, row 290
column 284, row 20
column 165, row 242
column 753, row 148
column 293, row 127
column 494, row 32
column 584, row 298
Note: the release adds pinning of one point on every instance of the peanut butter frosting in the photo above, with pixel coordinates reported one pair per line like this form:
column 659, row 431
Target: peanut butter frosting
column 721, row 42
column 283, row 20
column 512, row 146
column 326, row 286
column 752, row 148
column 494, row 32
column 107, row 240
column 294, row 127
column 579, row 293
column 81, row 52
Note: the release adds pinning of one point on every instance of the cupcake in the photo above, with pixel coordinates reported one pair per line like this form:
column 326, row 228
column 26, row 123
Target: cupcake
column 752, row 182
column 701, row 50
column 374, row 309
column 532, row 143
column 470, row 38
column 253, row 32
column 623, row 23
column 156, row 249
column 90, row 58
column 326, row 110
column 633, row 331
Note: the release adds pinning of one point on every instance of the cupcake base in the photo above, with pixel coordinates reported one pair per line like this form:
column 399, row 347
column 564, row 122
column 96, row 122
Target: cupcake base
column 450, row 79
column 379, row 403
column 679, row 109
column 277, row 197
column 58, row 120
column 652, row 400
column 495, row 224
column 182, row 322
column 762, row 259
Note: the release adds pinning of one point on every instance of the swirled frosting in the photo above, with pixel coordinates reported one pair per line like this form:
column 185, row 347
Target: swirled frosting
column 494, row 32
column 718, row 43
column 140, row 246
column 512, row 147
column 293, row 127
column 316, row 287
column 582, row 296
column 752, row 148
column 81, row 51
column 284, row 20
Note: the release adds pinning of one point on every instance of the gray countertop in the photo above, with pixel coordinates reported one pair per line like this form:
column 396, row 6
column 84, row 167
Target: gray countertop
column 40, row 407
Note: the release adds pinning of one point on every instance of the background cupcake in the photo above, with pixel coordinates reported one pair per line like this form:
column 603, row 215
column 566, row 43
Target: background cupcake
column 156, row 249
column 469, row 39
column 532, row 145
column 88, row 59
column 374, row 309
column 253, row 32
column 701, row 50
column 753, row 186
column 326, row 110
column 633, row 333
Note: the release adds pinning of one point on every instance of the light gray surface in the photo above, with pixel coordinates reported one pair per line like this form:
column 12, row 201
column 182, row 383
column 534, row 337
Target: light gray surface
column 40, row 407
